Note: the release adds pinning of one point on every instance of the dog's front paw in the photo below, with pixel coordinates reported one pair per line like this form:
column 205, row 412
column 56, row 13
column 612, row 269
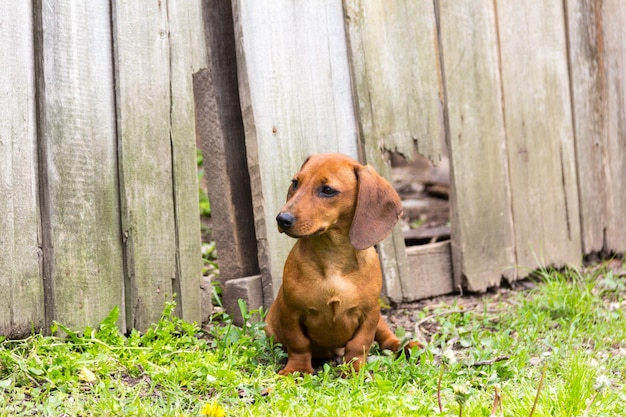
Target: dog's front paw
column 410, row 345
column 289, row 371
column 296, row 366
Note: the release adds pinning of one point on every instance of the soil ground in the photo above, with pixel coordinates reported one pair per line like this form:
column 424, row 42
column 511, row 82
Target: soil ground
column 410, row 316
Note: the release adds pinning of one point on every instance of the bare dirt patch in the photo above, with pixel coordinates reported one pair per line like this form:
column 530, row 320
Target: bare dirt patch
column 419, row 318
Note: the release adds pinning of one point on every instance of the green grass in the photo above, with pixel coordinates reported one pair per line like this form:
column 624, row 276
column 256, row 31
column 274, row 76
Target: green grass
column 571, row 329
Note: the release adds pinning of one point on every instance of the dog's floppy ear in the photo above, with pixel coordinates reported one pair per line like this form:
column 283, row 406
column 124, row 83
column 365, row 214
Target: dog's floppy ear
column 377, row 210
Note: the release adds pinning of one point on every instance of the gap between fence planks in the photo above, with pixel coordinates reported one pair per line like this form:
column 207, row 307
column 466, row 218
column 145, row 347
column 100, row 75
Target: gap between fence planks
column 221, row 135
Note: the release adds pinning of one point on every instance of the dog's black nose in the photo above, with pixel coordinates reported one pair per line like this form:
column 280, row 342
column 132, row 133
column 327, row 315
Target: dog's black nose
column 285, row 220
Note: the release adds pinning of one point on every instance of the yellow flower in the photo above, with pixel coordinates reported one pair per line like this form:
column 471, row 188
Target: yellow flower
column 85, row 375
column 213, row 410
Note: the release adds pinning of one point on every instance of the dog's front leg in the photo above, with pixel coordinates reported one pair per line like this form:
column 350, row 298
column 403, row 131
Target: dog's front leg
column 385, row 337
column 297, row 362
column 358, row 347
column 388, row 340
column 298, row 348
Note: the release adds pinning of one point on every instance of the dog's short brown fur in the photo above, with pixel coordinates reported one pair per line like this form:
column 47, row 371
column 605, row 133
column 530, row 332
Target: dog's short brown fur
column 327, row 306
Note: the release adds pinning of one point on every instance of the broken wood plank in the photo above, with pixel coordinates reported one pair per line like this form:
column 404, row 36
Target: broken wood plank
column 397, row 92
column 397, row 81
column 431, row 271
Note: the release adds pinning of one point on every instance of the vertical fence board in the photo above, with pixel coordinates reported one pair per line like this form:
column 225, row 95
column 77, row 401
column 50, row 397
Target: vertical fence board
column 394, row 54
column 142, row 60
column 598, row 70
column 590, row 106
column 482, row 226
column 80, row 168
column 187, row 56
column 295, row 93
column 614, row 22
column 539, row 131
column 395, row 65
column 21, row 290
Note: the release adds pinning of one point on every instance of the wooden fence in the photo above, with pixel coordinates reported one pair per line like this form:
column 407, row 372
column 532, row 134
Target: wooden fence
column 98, row 181
column 528, row 98
column 98, row 203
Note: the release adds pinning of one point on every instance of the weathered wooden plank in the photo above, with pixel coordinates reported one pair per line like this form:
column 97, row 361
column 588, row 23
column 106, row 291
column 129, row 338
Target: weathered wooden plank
column 539, row 131
column 431, row 271
column 597, row 65
column 482, row 226
column 395, row 62
column 187, row 55
column 295, row 94
column 397, row 88
column 79, row 163
column 221, row 133
column 589, row 97
column 21, row 289
column 614, row 22
column 142, row 66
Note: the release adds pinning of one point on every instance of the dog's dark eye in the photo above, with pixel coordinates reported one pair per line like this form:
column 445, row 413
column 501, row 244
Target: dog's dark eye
column 327, row 191
column 294, row 184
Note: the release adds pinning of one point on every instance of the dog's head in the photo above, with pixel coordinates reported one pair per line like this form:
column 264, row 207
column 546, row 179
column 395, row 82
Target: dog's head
column 334, row 193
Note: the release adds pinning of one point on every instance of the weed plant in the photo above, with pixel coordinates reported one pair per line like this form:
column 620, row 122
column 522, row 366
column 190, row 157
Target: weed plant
column 557, row 350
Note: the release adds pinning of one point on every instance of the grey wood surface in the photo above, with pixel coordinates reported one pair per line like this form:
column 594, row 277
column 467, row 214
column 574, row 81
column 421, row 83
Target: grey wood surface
column 539, row 134
column 78, row 162
column 482, row 225
column 155, row 128
column 187, row 56
column 394, row 54
column 596, row 59
column 431, row 271
column 21, row 288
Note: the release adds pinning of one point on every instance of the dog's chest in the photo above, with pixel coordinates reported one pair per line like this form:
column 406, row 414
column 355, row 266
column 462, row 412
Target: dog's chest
column 333, row 296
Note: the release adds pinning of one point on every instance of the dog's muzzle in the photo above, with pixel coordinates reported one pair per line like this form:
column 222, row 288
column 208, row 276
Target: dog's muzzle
column 285, row 221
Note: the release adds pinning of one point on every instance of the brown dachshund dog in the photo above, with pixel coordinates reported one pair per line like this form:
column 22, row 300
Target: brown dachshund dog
column 327, row 306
